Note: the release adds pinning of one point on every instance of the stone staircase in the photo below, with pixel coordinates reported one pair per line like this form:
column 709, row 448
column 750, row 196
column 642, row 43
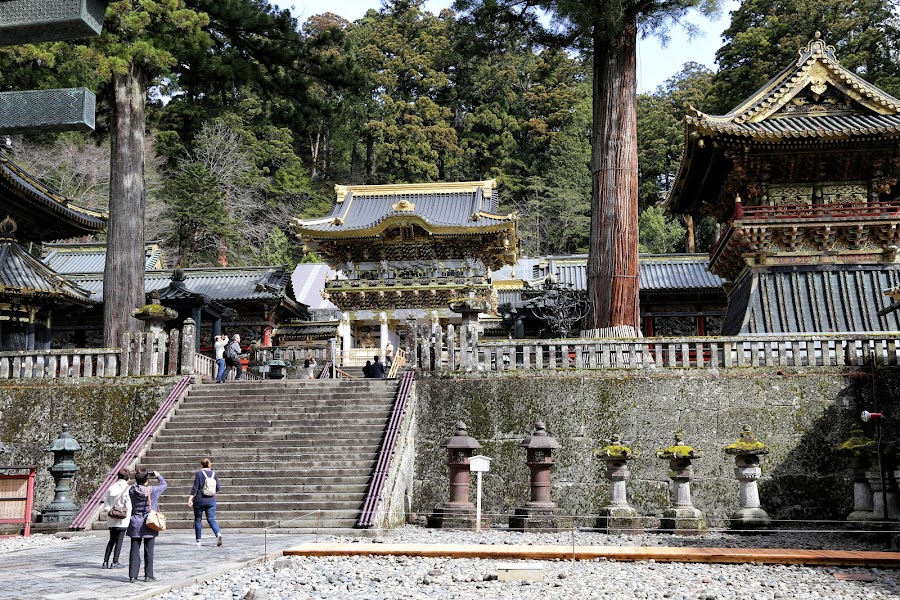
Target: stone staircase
column 282, row 449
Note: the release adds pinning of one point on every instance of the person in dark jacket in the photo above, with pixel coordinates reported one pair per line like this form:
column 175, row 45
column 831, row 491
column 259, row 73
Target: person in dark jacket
column 144, row 497
column 367, row 370
column 203, row 504
column 377, row 368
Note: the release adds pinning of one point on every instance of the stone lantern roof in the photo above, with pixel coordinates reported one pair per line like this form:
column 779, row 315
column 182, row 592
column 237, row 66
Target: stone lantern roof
column 747, row 444
column 461, row 440
column 539, row 440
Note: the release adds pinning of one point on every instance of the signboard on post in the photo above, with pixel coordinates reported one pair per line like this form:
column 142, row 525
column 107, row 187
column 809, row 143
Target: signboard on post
column 17, row 496
column 479, row 464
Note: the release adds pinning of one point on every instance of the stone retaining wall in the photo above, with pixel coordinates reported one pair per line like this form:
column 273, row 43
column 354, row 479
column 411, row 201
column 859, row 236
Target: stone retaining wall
column 801, row 414
column 103, row 414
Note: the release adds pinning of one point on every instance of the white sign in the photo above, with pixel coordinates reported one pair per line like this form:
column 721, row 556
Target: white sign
column 480, row 464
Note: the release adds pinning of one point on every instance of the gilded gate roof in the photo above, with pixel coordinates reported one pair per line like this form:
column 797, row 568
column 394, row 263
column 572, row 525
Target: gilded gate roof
column 815, row 97
column 41, row 213
column 440, row 208
column 812, row 101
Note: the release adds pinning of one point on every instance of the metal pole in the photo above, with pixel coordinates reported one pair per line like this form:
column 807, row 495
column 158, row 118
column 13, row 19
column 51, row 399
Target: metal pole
column 478, row 504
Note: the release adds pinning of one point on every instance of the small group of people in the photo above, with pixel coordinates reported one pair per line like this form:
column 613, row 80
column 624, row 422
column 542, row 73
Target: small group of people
column 228, row 357
column 128, row 506
column 374, row 368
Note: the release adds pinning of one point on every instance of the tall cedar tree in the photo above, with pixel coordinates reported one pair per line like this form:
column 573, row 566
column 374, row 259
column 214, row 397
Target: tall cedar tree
column 140, row 42
column 606, row 30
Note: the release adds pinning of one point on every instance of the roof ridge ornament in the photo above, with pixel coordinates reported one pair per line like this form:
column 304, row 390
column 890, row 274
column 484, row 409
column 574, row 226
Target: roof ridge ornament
column 814, row 49
column 8, row 229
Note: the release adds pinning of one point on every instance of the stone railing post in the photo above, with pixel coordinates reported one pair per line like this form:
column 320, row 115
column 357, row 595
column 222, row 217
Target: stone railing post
column 412, row 343
column 188, row 332
column 451, row 348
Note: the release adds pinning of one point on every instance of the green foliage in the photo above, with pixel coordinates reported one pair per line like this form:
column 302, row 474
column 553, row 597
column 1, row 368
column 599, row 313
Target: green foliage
column 194, row 207
column 660, row 232
column 765, row 35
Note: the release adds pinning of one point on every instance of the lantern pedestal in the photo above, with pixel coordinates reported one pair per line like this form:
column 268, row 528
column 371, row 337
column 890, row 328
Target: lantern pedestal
column 447, row 516
column 534, row 517
column 618, row 516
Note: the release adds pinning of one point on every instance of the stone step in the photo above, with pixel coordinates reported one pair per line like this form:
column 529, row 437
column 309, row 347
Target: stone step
column 314, row 466
column 275, row 401
column 249, row 488
column 179, row 510
column 304, row 525
column 245, row 496
column 234, row 455
column 282, row 414
column 299, row 423
column 239, row 387
column 298, row 443
column 185, row 438
column 276, row 461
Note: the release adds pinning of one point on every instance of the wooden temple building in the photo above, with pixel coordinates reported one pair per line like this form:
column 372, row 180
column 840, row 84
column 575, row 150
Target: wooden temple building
column 34, row 298
column 803, row 177
column 407, row 254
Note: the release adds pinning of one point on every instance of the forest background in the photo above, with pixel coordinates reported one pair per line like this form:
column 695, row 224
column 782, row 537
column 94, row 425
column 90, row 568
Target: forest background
column 253, row 116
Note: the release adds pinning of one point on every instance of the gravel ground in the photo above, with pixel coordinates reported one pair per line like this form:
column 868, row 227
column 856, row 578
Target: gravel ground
column 33, row 541
column 385, row 578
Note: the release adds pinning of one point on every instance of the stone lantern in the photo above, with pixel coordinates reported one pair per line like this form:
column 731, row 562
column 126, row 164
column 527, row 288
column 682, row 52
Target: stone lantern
column 682, row 518
column 459, row 512
column 617, row 516
column 746, row 452
column 276, row 365
column 62, row 509
column 540, row 512
column 155, row 316
column 860, row 449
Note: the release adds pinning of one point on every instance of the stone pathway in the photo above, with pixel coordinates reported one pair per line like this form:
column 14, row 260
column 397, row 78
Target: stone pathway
column 71, row 570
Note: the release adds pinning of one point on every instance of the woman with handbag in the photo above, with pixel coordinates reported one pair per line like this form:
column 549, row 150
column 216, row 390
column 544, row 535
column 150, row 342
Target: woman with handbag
column 117, row 504
column 144, row 500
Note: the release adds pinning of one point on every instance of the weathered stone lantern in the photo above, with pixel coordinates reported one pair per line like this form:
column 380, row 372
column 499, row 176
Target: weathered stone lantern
column 62, row 509
column 682, row 518
column 459, row 512
column 617, row 516
column 746, row 451
column 540, row 512
column 860, row 449
column 276, row 365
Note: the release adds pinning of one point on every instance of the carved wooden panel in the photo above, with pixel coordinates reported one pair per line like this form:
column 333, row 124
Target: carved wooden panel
column 845, row 192
column 787, row 195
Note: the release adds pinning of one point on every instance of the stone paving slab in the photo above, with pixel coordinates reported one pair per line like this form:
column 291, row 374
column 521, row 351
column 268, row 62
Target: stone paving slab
column 71, row 570
column 775, row 556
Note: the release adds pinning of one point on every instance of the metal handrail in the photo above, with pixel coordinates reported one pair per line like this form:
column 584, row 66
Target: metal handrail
column 90, row 508
column 386, row 454
column 326, row 370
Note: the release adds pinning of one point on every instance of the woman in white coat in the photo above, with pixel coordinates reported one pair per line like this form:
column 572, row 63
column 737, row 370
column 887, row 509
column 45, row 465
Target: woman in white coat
column 119, row 499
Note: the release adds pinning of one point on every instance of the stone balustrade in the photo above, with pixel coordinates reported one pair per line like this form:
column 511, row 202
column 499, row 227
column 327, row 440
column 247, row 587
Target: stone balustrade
column 459, row 350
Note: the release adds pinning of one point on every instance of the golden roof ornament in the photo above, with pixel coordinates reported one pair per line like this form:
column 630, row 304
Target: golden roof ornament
column 8, row 229
column 815, row 48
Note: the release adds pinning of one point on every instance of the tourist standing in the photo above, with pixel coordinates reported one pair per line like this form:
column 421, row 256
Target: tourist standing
column 144, row 498
column 389, row 354
column 233, row 356
column 219, row 349
column 377, row 367
column 367, row 369
column 117, row 504
column 203, row 499
column 310, row 365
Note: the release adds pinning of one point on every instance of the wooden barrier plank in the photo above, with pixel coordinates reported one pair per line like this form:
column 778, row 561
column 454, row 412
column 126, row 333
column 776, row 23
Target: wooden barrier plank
column 686, row 554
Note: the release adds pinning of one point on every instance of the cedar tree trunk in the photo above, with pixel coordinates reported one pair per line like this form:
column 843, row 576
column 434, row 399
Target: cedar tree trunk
column 613, row 257
column 123, row 277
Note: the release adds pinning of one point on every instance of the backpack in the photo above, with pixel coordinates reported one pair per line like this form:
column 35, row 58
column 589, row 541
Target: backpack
column 209, row 486
column 231, row 357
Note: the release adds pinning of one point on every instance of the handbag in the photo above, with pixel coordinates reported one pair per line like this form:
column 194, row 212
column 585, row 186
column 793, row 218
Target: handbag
column 155, row 520
column 119, row 511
